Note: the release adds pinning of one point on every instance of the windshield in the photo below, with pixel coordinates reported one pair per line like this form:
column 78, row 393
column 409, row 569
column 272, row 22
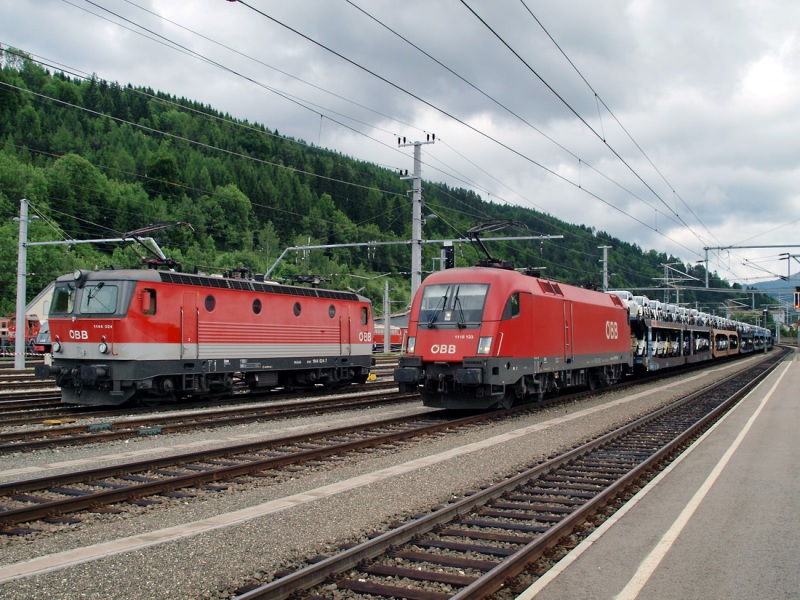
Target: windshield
column 453, row 304
column 63, row 299
column 99, row 299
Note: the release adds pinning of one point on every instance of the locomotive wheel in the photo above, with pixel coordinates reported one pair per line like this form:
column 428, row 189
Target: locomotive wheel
column 592, row 380
column 507, row 400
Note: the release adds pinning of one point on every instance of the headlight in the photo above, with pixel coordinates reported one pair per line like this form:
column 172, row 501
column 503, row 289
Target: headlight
column 411, row 345
column 103, row 347
column 484, row 345
column 56, row 347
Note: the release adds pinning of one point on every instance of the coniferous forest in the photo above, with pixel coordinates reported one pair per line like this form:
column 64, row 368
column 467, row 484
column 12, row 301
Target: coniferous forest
column 100, row 159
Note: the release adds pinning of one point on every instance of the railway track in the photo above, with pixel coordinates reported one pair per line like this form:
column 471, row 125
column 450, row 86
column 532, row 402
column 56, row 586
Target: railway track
column 11, row 408
column 50, row 498
column 19, row 385
column 481, row 543
column 57, row 434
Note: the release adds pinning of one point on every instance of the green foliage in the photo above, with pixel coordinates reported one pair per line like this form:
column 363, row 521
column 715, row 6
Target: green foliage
column 247, row 192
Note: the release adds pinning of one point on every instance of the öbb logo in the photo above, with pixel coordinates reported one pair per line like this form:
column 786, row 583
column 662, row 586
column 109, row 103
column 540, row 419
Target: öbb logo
column 443, row 349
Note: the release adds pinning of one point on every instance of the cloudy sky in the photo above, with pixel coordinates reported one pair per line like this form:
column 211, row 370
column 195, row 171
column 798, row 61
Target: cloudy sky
column 673, row 124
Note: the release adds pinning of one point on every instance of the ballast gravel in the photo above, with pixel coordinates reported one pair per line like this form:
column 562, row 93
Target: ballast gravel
column 212, row 565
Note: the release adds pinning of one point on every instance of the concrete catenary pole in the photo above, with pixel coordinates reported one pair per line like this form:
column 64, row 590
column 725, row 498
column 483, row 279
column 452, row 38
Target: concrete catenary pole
column 605, row 266
column 416, row 213
column 22, row 267
column 387, row 319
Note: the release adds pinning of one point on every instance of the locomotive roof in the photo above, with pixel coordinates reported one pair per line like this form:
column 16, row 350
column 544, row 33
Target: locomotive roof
column 506, row 278
column 213, row 282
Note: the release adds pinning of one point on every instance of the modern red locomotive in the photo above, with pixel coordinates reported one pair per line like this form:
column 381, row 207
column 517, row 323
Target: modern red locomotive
column 154, row 335
column 488, row 336
column 480, row 337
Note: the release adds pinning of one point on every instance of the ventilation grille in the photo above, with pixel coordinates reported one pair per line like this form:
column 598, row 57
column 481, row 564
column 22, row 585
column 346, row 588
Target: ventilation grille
column 550, row 288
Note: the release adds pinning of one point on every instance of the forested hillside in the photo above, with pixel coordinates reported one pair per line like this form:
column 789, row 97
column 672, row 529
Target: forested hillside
column 99, row 159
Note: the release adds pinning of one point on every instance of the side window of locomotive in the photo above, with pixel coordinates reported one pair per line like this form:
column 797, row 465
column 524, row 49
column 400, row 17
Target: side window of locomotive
column 63, row 300
column 99, row 299
column 511, row 309
column 364, row 315
column 148, row 301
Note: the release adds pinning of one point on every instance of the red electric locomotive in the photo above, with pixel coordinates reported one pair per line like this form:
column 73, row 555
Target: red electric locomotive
column 147, row 335
column 482, row 336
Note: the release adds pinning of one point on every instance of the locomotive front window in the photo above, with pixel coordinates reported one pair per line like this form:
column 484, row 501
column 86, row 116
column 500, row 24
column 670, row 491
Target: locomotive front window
column 63, row 300
column 99, row 299
column 457, row 304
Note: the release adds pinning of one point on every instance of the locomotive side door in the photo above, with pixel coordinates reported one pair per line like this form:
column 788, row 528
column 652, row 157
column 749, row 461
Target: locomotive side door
column 344, row 331
column 189, row 326
column 569, row 336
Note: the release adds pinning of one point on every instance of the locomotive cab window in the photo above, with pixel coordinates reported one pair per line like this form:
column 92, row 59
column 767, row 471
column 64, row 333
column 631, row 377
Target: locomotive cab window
column 63, row 300
column 148, row 301
column 99, row 299
column 511, row 309
column 456, row 304
column 364, row 315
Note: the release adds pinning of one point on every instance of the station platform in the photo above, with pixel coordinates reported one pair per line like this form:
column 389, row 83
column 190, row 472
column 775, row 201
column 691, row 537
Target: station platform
column 723, row 521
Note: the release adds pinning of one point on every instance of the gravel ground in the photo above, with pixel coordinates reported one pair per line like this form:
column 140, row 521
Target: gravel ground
column 211, row 564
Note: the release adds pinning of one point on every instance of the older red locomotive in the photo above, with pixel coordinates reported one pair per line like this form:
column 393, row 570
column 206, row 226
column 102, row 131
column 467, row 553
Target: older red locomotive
column 481, row 336
column 147, row 335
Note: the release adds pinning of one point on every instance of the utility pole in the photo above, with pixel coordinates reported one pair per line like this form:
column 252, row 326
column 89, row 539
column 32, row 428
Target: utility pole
column 387, row 316
column 22, row 262
column 416, row 212
column 605, row 266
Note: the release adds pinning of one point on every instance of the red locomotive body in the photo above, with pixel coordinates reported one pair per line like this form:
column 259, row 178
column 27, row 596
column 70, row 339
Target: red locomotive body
column 161, row 335
column 482, row 337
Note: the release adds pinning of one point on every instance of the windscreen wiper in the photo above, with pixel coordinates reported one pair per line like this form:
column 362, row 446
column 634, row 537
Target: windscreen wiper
column 94, row 291
column 439, row 307
column 462, row 320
